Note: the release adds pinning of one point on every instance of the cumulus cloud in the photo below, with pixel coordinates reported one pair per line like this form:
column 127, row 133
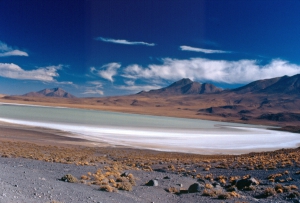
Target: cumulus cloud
column 6, row 50
column 138, row 88
column 123, row 41
column 107, row 71
column 222, row 71
column 46, row 74
column 206, row 51
column 95, row 87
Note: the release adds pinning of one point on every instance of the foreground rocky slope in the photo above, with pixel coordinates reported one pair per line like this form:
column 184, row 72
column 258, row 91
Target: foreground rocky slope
column 57, row 174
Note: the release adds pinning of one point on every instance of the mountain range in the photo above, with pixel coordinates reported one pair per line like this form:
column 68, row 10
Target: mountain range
column 184, row 86
column 274, row 101
column 55, row 92
column 279, row 85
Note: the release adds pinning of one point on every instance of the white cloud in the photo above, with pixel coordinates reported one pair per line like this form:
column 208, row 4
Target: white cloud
column 6, row 50
column 129, row 82
column 123, row 41
column 107, row 71
column 138, row 88
column 201, row 69
column 96, row 88
column 93, row 91
column 46, row 74
column 207, row 51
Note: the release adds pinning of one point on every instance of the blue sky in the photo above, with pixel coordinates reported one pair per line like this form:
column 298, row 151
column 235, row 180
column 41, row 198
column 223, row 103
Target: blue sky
column 103, row 48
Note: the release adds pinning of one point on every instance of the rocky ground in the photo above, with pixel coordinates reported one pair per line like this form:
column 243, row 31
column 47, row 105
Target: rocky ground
column 45, row 166
column 165, row 179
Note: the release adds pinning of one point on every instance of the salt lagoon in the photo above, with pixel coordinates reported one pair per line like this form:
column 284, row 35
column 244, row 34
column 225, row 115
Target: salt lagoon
column 151, row 132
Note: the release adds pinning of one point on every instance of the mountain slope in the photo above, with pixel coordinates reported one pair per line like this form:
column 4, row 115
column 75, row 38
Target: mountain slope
column 55, row 92
column 184, row 86
column 279, row 85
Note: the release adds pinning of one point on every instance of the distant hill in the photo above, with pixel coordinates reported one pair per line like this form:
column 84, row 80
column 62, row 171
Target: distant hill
column 184, row 86
column 55, row 92
column 279, row 85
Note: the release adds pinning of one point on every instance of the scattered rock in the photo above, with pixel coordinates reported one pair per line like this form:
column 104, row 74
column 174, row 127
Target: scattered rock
column 196, row 187
column 125, row 174
column 152, row 183
column 201, row 180
column 246, row 183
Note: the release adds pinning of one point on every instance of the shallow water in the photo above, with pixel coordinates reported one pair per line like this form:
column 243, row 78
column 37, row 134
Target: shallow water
column 151, row 132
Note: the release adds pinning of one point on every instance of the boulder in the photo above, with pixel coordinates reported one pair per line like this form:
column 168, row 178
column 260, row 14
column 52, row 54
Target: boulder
column 196, row 187
column 152, row 183
column 245, row 183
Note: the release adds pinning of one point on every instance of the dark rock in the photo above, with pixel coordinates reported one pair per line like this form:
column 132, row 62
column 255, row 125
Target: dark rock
column 166, row 177
column 246, row 183
column 152, row 183
column 201, row 180
column 215, row 184
column 293, row 195
column 196, row 187
column 265, row 182
column 125, row 174
column 231, row 189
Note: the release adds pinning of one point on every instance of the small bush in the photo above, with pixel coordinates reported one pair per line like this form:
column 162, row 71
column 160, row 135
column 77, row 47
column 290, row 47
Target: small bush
column 124, row 186
column 208, row 186
column 269, row 192
column 173, row 190
column 107, row 188
column 211, row 192
column 69, row 178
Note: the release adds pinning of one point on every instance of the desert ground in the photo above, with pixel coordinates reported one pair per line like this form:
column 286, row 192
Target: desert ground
column 43, row 165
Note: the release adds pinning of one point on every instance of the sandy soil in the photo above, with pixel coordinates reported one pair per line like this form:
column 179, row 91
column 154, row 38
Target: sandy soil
column 34, row 159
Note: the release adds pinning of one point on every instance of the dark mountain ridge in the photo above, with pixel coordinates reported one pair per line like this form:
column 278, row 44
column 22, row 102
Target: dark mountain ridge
column 279, row 85
column 184, row 86
column 55, row 92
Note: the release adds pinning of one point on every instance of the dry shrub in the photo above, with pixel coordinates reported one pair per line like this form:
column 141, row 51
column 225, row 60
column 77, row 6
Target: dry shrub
column 124, row 186
column 173, row 190
column 131, row 179
column 279, row 187
column 171, row 167
column 122, row 179
column 209, row 177
column 228, row 195
column 269, row 192
column 107, row 188
column 69, row 178
column 211, row 192
column 208, row 186
column 84, row 177
column 233, row 178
